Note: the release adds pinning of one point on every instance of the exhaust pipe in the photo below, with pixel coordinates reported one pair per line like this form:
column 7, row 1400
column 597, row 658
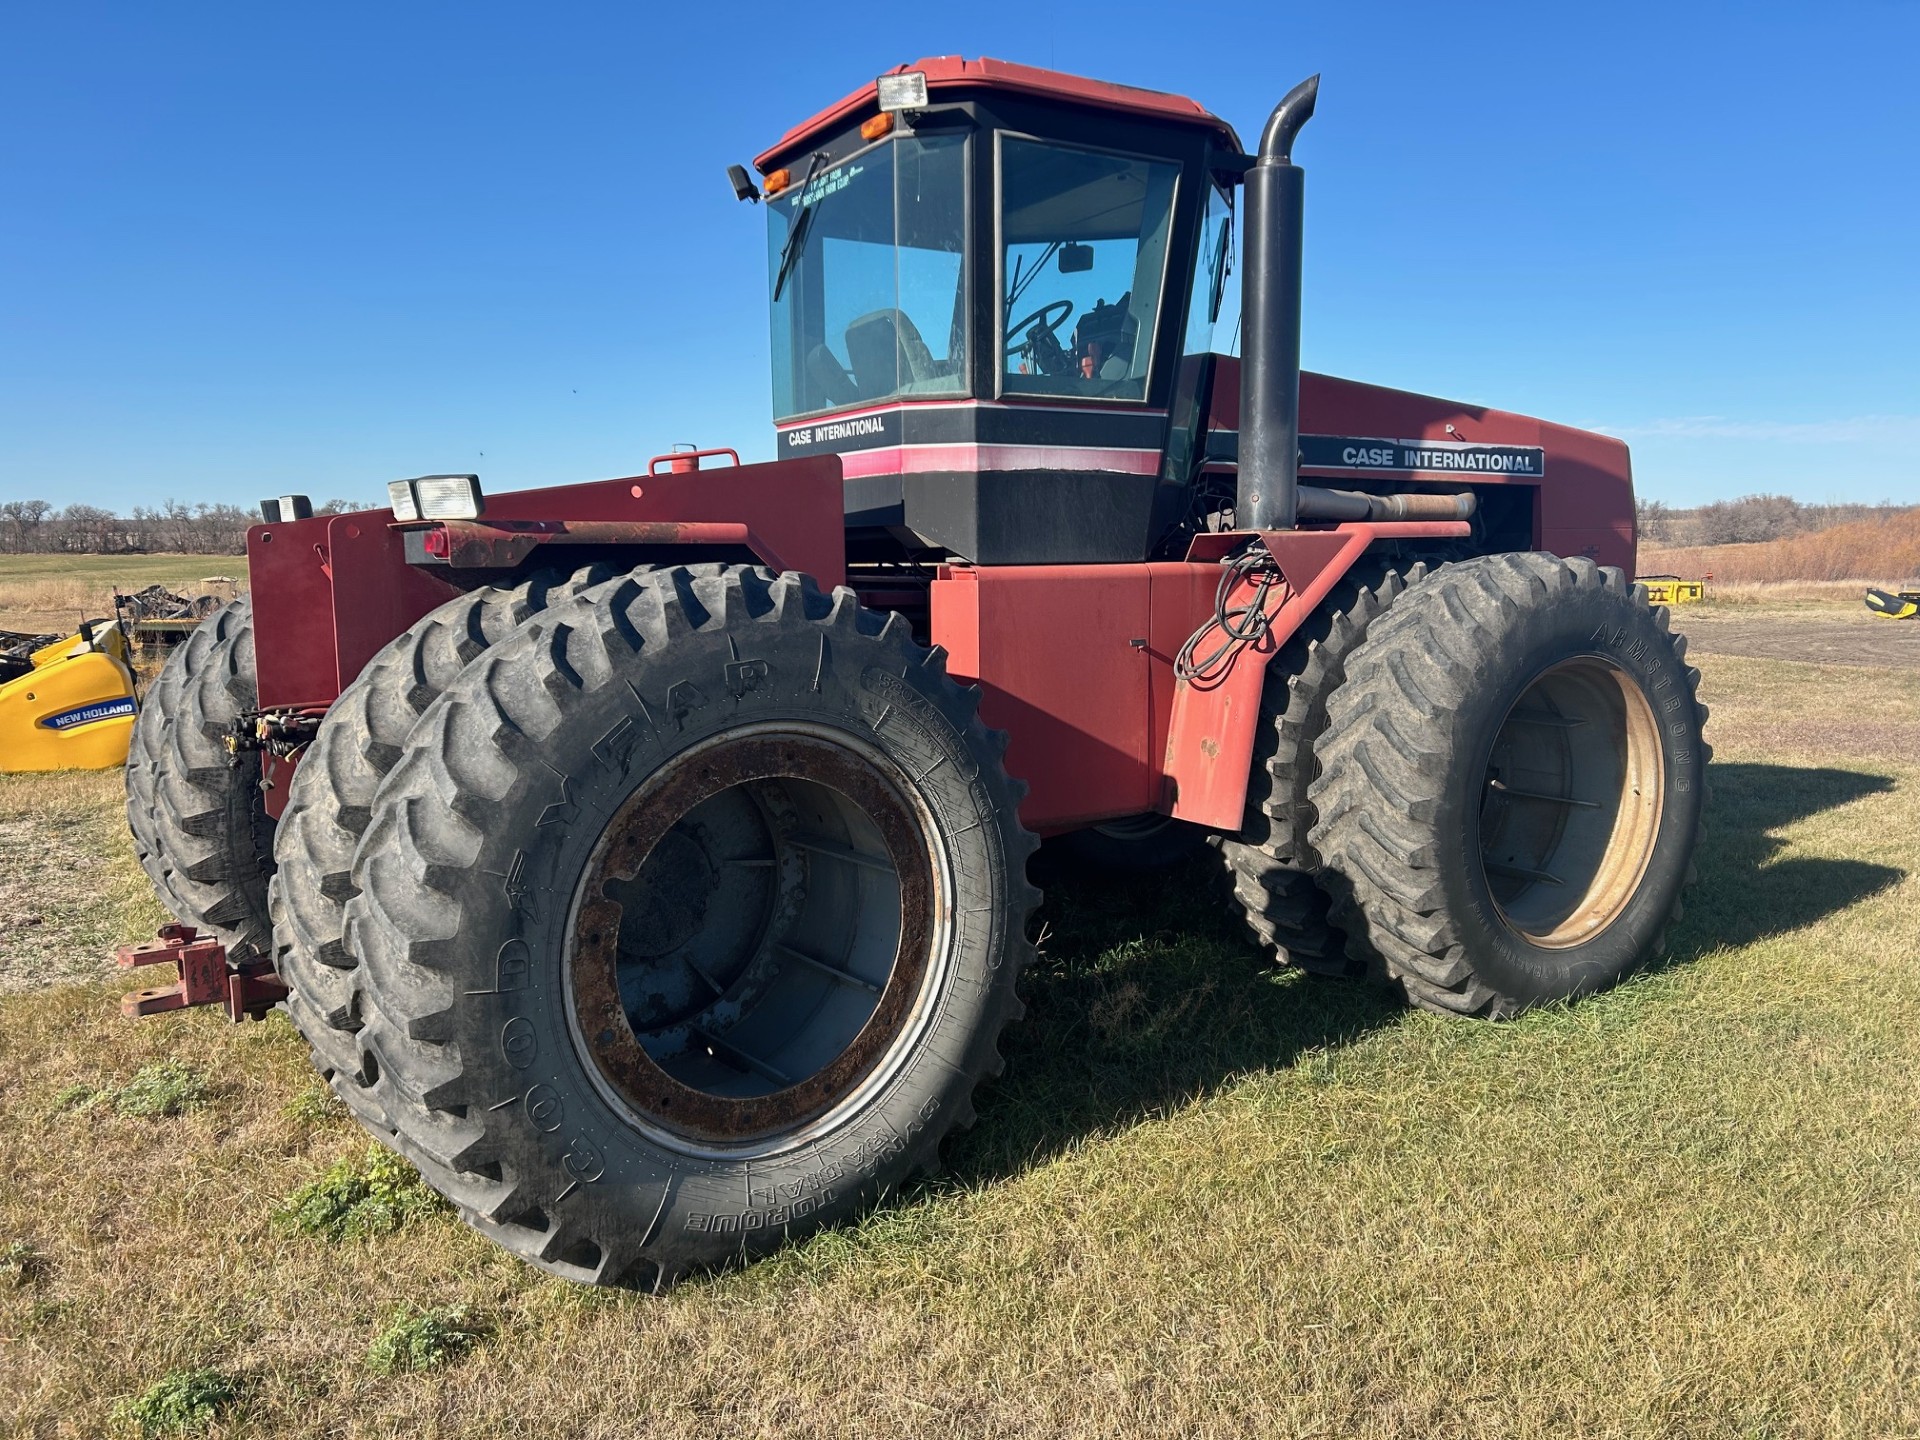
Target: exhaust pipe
column 1357, row 505
column 1268, row 497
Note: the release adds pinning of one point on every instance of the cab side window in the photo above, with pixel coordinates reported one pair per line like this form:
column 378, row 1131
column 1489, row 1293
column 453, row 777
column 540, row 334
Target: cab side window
column 1083, row 237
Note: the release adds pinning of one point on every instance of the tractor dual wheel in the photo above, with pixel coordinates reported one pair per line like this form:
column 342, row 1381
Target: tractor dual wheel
column 200, row 828
column 331, row 797
column 1272, row 861
column 1511, row 785
column 688, row 921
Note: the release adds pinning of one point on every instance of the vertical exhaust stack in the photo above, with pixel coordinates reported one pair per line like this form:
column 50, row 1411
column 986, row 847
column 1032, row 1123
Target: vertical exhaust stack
column 1268, row 495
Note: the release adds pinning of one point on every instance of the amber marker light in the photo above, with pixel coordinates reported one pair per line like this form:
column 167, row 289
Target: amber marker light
column 776, row 182
column 879, row 125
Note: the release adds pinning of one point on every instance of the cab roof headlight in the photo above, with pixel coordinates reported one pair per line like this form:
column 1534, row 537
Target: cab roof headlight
column 449, row 497
column 904, row 91
column 400, row 499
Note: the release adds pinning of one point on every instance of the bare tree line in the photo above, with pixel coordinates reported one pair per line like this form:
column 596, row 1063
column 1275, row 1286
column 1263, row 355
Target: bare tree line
column 1749, row 519
column 35, row 527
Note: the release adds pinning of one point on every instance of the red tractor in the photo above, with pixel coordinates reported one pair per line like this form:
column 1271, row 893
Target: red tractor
column 646, row 859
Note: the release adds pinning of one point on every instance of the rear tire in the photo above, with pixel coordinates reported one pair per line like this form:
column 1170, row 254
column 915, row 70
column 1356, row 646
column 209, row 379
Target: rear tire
column 625, row 899
column 200, row 828
column 331, row 798
column 1511, row 784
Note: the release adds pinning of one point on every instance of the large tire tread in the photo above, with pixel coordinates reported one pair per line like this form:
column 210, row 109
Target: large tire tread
column 200, row 828
column 331, row 799
column 1385, row 766
column 468, row 751
column 1271, row 861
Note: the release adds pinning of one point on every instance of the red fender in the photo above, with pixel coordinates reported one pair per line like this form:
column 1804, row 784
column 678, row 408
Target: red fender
column 1210, row 739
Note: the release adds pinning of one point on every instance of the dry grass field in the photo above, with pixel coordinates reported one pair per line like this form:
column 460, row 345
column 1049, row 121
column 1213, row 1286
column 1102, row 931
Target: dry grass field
column 1885, row 553
column 56, row 592
column 1207, row 1199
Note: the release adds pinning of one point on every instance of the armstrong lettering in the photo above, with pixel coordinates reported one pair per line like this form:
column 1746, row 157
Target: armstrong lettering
column 1348, row 452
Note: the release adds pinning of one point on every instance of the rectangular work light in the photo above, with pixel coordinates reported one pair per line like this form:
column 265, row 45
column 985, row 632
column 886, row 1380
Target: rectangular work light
column 401, row 501
column 902, row 92
column 449, row 497
column 437, row 497
column 285, row 508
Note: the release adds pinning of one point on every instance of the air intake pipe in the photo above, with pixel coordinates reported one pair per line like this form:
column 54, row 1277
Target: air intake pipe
column 1268, row 495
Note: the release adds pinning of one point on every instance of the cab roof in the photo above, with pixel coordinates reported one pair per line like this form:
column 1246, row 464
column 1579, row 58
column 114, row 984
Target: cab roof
column 954, row 72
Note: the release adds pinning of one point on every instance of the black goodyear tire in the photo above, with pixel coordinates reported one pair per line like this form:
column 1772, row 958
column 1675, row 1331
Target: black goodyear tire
column 200, row 827
column 1511, row 785
column 1138, row 844
column 689, row 920
column 331, row 797
column 1272, row 862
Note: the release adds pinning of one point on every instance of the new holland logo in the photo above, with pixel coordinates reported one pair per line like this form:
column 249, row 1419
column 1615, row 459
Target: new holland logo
column 89, row 714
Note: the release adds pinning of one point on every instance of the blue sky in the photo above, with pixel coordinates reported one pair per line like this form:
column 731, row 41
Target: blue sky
column 246, row 249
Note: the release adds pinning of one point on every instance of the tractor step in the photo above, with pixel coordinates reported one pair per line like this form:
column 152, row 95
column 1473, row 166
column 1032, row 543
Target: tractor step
column 248, row 990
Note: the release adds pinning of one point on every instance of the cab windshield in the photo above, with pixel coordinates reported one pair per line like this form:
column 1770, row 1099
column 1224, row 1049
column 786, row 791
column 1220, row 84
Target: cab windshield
column 865, row 268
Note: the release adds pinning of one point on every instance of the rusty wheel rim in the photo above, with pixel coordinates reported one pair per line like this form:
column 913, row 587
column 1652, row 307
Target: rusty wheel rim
column 754, row 939
column 1571, row 802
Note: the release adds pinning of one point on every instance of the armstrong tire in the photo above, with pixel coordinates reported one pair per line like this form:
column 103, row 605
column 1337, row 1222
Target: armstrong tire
column 1272, row 861
column 200, row 828
column 587, row 808
column 1511, row 786
column 331, row 797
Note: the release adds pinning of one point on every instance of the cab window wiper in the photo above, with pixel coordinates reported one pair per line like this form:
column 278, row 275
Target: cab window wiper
column 797, row 236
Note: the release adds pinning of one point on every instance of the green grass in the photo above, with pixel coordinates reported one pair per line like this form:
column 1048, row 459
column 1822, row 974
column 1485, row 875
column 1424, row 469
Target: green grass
column 187, row 1402
column 423, row 1340
column 128, row 571
column 1206, row 1199
column 55, row 592
column 356, row 1200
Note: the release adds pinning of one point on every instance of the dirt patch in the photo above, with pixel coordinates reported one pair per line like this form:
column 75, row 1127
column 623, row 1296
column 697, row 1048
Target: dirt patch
column 1893, row 644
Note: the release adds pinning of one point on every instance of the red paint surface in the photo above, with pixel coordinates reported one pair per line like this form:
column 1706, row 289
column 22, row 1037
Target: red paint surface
column 1209, row 748
column 330, row 592
column 1585, row 498
column 1049, row 647
column 949, row 75
column 1098, row 726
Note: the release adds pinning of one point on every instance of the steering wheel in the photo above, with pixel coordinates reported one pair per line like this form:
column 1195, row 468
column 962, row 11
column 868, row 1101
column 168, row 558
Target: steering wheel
column 1047, row 321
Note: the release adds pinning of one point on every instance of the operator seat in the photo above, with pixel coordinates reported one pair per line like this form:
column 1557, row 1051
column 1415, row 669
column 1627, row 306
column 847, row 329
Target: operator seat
column 886, row 353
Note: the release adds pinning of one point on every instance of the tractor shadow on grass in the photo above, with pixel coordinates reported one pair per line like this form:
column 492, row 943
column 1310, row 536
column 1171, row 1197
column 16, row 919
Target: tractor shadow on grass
column 1744, row 893
column 1147, row 995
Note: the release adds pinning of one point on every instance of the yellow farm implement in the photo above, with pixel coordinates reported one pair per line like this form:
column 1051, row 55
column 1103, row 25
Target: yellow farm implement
column 68, row 705
column 1672, row 590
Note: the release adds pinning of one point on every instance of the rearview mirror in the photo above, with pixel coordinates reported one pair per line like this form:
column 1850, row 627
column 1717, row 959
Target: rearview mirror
column 1074, row 259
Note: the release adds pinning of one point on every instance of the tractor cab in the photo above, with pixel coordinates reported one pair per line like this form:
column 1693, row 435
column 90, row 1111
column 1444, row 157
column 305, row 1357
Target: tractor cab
column 992, row 288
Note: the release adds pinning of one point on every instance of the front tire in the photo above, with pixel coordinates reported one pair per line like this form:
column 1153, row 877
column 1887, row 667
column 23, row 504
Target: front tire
column 688, row 921
column 1511, row 784
column 1272, row 862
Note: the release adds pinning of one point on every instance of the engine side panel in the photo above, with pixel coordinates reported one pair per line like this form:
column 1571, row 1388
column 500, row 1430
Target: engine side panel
column 1582, row 488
